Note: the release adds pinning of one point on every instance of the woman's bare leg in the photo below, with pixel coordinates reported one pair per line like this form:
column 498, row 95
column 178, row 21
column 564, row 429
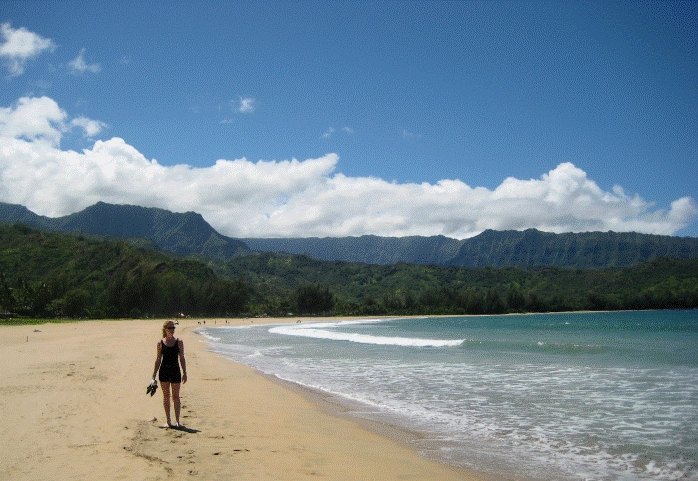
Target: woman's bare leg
column 176, row 400
column 166, row 399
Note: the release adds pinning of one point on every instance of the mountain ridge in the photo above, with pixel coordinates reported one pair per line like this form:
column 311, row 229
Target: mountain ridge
column 188, row 234
column 369, row 249
column 583, row 250
column 182, row 234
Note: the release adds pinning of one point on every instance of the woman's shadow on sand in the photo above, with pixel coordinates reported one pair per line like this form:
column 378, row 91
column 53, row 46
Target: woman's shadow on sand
column 181, row 428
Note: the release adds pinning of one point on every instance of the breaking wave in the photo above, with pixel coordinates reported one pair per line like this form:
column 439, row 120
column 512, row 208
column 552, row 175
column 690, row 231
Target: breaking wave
column 317, row 333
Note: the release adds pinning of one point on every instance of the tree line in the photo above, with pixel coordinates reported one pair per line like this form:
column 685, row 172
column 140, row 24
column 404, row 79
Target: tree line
column 58, row 275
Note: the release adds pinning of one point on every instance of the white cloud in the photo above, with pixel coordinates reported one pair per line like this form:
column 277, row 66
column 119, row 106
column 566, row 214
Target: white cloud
column 331, row 130
column 247, row 105
column 79, row 66
column 38, row 118
column 91, row 127
column 293, row 198
column 19, row 46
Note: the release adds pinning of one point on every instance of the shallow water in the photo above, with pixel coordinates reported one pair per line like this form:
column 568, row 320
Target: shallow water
column 600, row 396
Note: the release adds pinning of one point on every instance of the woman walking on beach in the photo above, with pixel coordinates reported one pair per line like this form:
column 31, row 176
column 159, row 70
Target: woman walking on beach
column 170, row 356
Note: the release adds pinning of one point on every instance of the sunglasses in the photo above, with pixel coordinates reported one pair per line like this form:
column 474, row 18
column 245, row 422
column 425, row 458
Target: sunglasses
column 171, row 328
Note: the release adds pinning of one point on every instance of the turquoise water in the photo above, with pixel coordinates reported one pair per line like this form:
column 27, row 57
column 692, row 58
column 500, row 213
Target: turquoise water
column 597, row 396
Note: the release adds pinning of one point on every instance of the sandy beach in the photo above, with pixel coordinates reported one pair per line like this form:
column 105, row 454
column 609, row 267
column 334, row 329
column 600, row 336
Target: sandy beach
column 73, row 406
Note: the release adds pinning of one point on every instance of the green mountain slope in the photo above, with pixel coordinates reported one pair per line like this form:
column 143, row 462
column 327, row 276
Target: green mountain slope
column 531, row 248
column 51, row 274
column 370, row 249
column 584, row 250
column 182, row 234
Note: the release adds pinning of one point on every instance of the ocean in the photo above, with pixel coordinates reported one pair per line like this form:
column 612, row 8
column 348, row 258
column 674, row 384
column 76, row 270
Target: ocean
column 573, row 396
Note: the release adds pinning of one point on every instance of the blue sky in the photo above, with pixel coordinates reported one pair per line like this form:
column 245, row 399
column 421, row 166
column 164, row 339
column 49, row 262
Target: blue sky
column 348, row 118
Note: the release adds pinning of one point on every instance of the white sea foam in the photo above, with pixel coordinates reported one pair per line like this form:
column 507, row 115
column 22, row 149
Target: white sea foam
column 207, row 335
column 315, row 333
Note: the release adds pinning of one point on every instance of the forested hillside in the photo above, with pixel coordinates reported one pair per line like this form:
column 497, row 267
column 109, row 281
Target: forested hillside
column 364, row 289
column 529, row 248
column 181, row 234
column 54, row 275
column 583, row 250
column 58, row 275
column 369, row 249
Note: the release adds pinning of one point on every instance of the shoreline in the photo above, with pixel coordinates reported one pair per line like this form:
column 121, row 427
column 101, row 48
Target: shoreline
column 72, row 407
column 335, row 406
column 338, row 406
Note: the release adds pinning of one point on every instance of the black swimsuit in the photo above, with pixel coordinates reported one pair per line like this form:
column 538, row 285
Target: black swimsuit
column 169, row 367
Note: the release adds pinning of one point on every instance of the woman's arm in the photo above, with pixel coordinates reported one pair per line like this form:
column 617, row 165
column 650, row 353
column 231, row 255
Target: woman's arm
column 182, row 361
column 158, row 360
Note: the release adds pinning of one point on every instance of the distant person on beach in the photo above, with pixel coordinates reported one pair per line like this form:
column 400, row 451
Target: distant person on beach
column 170, row 356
